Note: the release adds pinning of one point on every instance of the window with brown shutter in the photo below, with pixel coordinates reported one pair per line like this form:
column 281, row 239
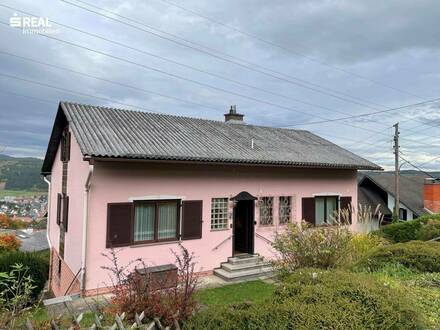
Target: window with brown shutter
column 308, row 209
column 65, row 212
column 192, row 219
column 65, row 146
column 119, row 224
column 346, row 205
column 59, row 203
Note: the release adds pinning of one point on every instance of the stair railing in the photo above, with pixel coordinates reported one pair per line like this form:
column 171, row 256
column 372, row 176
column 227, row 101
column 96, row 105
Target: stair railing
column 221, row 243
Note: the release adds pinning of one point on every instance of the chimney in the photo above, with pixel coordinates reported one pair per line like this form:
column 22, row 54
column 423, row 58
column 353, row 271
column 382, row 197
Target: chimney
column 233, row 117
column 431, row 195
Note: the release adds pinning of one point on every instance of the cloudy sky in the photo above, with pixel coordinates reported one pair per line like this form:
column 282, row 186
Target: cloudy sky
column 284, row 63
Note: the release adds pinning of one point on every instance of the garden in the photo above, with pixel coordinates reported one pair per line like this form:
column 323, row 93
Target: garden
column 327, row 278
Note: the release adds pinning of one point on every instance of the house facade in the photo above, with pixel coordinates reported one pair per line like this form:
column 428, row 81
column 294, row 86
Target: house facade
column 141, row 183
column 378, row 188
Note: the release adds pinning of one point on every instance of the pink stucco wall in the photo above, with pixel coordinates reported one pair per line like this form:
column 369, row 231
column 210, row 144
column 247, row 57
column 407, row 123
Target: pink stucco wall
column 120, row 181
column 76, row 176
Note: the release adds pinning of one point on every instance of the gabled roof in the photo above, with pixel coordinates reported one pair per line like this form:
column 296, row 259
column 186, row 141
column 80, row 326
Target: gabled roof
column 115, row 133
column 411, row 191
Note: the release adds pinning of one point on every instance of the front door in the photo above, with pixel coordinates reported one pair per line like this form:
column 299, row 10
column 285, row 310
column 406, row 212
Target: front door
column 244, row 227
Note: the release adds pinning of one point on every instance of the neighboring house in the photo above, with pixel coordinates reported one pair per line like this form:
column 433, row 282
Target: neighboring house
column 30, row 239
column 377, row 188
column 141, row 182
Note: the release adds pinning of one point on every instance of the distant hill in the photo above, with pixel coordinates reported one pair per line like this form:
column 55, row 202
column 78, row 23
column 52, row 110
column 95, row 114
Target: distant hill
column 21, row 173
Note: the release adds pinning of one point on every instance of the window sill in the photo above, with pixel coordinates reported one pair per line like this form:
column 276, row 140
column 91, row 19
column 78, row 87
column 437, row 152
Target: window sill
column 153, row 244
column 222, row 229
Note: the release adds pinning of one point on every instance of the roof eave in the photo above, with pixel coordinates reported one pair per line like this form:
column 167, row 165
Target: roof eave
column 193, row 160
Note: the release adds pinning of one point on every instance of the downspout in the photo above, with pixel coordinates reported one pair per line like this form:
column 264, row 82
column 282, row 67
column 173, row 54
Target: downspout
column 84, row 231
column 48, row 228
column 48, row 212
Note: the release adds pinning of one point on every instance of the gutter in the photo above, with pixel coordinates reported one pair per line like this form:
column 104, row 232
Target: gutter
column 84, row 231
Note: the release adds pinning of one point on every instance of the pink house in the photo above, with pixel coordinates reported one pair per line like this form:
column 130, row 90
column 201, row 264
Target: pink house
column 142, row 182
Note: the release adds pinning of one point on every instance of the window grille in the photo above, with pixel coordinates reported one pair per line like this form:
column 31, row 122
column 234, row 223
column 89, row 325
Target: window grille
column 266, row 211
column 285, row 209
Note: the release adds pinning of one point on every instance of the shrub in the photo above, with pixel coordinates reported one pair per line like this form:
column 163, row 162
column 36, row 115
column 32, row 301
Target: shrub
column 330, row 300
column 38, row 267
column 361, row 245
column 8, row 242
column 132, row 293
column 429, row 231
column 427, row 280
column 410, row 230
column 416, row 255
column 15, row 294
column 305, row 246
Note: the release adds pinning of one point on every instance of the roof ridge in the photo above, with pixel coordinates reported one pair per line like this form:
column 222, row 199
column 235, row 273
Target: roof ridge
column 184, row 117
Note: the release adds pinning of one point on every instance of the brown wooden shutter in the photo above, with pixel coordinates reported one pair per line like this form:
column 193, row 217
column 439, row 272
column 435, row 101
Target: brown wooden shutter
column 67, row 156
column 345, row 204
column 192, row 219
column 119, row 224
column 65, row 212
column 59, row 202
column 308, row 210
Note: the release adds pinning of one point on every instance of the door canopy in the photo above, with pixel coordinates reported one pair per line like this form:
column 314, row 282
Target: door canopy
column 243, row 196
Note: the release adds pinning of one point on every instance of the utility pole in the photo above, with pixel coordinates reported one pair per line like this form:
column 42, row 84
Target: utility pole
column 396, row 174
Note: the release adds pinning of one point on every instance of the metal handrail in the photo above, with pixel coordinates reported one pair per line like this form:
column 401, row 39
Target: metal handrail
column 264, row 238
column 71, row 283
column 221, row 243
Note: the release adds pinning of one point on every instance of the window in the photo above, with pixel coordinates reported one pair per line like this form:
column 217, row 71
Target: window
column 155, row 221
column 285, row 209
column 266, row 211
column 219, row 213
column 403, row 214
column 325, row 209
column 65, row 146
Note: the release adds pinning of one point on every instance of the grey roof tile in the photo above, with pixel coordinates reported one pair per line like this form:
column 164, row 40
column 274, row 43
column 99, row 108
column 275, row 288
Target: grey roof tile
column 116, row 133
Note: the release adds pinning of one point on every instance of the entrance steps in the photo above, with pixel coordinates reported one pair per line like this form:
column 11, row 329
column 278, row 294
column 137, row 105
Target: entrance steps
column 244, row 268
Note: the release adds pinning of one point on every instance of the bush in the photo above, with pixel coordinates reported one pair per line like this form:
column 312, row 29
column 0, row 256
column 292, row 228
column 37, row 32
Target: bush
column 8, row 242
column 411, row 230
column 134, row 293
column 429, row 231
column 305, row 246
column 38, row 267
column 416, row 255
column 330, row 300
column 361, row 245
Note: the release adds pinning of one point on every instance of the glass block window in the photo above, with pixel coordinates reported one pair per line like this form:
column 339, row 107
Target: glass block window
column 219, row 213
column 285, row 209
column 266, row 211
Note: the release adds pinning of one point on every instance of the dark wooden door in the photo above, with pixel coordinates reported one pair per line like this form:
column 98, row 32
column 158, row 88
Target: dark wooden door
column 244, row 227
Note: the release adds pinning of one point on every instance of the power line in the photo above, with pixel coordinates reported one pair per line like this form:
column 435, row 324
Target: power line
column 214, row 53
column 288, row 50
column 417, row 167
column 191, row 80
column 107, row 80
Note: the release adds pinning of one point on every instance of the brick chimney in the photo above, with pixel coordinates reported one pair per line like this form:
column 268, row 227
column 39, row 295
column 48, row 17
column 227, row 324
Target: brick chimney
column 431, row 195
column 233, row 117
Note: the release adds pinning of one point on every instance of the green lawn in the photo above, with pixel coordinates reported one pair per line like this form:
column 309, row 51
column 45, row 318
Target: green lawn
column 21, row 193
column 253, row 291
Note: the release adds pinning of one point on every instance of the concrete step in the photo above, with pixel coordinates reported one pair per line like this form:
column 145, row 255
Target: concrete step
column 245, row 259
column 244, row 275
column 230, row 267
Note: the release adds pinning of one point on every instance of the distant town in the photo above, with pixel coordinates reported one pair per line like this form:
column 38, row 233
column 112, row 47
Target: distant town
column 24, row 208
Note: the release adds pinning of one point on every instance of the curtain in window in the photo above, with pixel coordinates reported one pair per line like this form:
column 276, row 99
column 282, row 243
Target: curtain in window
column 319, row 211
column 167, row 221
column 332, row 208
column 144, row 222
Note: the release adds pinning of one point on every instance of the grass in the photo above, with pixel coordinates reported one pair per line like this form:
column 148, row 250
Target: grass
column 21, row 193
column 254, row 291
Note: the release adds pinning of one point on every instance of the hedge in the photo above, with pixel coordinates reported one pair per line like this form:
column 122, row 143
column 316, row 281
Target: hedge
column 419, row 229
column 416, row 255
column 37, row 262
column 333, row 300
